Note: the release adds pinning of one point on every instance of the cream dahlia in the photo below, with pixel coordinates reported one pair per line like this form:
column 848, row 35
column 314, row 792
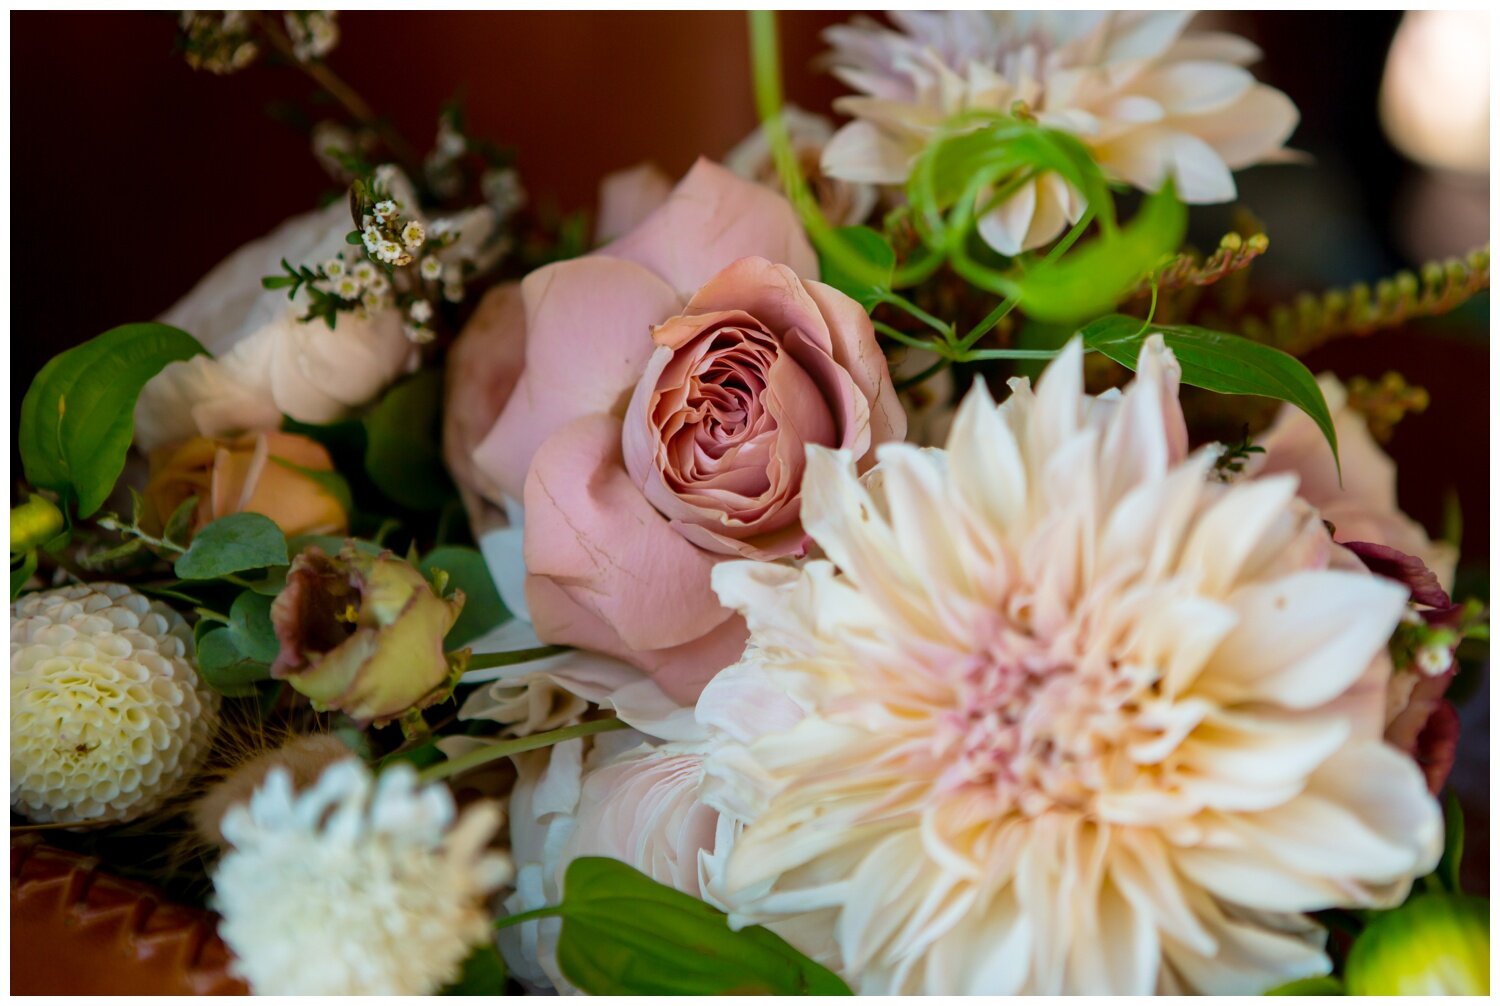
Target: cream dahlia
column 357, row 886
column 1061, row 714
column 1149, row 101
column 108, row 717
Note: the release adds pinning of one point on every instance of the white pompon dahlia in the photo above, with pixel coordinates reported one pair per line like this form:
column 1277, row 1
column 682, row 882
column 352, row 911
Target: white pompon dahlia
column 108, row 717
column 1062, row 714
column 1149, row 101
column 358, row 886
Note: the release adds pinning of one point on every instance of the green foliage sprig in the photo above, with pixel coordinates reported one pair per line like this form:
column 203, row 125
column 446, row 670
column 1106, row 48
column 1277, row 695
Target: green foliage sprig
column 1310, row 320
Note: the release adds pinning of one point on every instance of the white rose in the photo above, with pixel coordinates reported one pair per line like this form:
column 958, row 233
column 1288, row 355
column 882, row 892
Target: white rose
column 267, row 362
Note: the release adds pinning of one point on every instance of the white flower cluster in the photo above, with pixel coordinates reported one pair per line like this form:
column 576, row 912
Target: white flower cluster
column 108, row 718
column 359, row 283
column 314, row 33
column 357, row 886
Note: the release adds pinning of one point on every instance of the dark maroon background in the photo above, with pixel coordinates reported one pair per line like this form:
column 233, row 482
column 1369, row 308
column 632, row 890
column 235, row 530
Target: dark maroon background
column 132, row 175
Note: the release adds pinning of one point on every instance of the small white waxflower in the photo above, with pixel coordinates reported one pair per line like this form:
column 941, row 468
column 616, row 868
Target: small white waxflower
column 372, row 238
column 431, row 268
column 347, row 288
column 1434, row 659
column 374, row 302
column 385, row 210
column 379, row 285
column 420, row 334
column 389, row 251
column 357, row 886
column 453, row 274
column 453, row 292
column 412, row 235
column 420, row 312
column 334, row 268
column 108, row 717
column 365, row 273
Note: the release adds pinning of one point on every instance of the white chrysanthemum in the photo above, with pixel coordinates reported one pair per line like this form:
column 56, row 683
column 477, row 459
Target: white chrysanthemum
column 1148, row 101
column 108, row 717
column 1073, row 716
column 358, row 886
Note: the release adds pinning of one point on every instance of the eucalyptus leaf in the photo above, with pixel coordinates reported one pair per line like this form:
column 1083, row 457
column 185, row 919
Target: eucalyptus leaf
column 403, row 456
column 625, row 934
column 225, row 667
column 233, row 544
column 1218, row 361
column 874, row 250
column 180, row 525
column 467, row 571
column 483, row 974
column 250, row 625
column 77, row 419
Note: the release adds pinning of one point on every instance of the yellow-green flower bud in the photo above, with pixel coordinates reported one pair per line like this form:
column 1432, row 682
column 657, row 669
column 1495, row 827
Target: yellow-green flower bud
column 34, row 523
column 363, row 634
column 1435, row 944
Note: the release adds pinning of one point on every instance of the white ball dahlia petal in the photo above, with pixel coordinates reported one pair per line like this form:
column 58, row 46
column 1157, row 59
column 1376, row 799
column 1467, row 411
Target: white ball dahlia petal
column 357, row 885
column 108, row 717
column 1062, row 713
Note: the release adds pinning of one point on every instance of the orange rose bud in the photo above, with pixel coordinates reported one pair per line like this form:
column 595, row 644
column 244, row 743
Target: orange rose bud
column 264, row 473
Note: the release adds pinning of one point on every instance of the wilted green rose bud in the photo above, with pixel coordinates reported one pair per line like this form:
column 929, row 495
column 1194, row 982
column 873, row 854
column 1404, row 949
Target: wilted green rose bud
column 363, row 634
column 1435, row 944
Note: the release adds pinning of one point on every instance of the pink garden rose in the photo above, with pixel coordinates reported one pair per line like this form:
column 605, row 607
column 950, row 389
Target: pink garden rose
column 671, row 384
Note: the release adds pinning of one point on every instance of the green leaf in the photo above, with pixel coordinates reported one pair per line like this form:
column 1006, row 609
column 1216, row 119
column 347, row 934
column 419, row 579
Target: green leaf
column 872, row 249
column 1323, row 985
column 250, row 625
column 180, row 524
column 233, row 544
column 1094, row 277
column 226, row 669
column 403, row 457
column 20, row 574
column 1453, row 843
column 625, row 934
column 467, row 570
column 1218, row 361
column 77, row 419
column 1435, row 944
column 332, row 544
column 483, row 974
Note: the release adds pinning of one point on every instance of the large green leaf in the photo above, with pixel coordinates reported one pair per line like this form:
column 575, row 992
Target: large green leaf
column 874, row 253
column 402, row 456
column 1218, row 361
column 233, row 544
column 467, row 570
column 77, row 419
column 625, row 934
column 483, row 974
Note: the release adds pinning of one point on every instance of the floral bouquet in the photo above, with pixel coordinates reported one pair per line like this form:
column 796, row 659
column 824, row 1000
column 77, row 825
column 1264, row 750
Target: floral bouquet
column 888, row 559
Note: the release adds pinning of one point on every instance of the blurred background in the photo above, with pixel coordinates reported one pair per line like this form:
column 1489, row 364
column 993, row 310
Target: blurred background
column 132, row 175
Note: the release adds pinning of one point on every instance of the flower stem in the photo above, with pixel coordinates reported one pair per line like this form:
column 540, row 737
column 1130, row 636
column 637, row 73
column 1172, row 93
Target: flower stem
column 518, row 745
column 546, row 911
column 340, row 91
column 481, row 661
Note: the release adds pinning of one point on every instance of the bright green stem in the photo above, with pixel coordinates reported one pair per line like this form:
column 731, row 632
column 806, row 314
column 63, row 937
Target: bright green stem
column 546, row 911
column 482, row 661
column 943, row 328
column 504, row 749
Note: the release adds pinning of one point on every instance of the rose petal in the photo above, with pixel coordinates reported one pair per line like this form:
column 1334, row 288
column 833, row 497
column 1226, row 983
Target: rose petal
column 484, row 365
column 628, row 197
column 589, row 529
column 681, row 671
column 595, row 309
column 713, row 218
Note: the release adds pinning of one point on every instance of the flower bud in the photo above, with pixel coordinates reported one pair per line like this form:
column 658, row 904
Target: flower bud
column 363, row 634
column 34, row 523
column 273, row 474
column 1435, row 944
